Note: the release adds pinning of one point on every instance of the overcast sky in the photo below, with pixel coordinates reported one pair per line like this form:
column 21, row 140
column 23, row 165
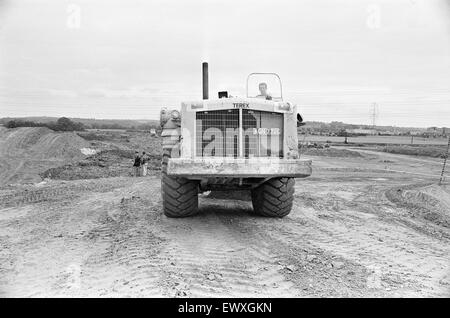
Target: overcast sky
column 126, row 59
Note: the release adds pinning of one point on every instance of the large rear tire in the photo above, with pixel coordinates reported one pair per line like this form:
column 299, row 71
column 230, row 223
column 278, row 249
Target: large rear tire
column 179, row 195
column 274, row 198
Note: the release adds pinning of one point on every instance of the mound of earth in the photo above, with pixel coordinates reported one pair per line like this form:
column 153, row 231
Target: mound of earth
column 41, row 143
column 135, row 141
column 27, row 151
column 435, row 151
column 430, row 202
column 105, row 164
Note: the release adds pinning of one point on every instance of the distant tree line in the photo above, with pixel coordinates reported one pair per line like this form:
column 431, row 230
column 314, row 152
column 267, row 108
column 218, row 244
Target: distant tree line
column 62, row 124
column 118, row 126
column 107, row 126
column 66, row 124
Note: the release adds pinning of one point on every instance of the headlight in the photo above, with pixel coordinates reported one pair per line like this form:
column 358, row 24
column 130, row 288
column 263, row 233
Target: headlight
column 196, row 105
column 284, row 106
column 175, row 114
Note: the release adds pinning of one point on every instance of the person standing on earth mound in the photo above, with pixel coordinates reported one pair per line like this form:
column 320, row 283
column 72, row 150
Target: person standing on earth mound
column 144, row 164
column 137, row 164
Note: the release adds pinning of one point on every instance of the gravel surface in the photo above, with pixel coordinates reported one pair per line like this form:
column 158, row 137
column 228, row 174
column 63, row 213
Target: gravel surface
column 345, row 237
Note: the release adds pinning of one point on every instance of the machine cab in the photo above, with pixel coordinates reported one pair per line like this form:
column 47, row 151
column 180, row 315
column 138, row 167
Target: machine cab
column 265, row 86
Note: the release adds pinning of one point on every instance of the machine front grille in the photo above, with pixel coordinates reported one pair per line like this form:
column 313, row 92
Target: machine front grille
column 217, row 134
column 262, row 134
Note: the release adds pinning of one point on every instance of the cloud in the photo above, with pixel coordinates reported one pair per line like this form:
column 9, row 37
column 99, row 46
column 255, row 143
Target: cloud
column 62, row 93
column 145, row 54
column 132, row 92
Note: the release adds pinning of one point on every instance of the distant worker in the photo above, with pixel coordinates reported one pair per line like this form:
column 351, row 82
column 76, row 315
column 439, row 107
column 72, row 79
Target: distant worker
column 144, row 164
column 137, row 164
column 263, row 91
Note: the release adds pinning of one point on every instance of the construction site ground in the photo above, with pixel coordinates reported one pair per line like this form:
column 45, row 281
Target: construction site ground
column 365, row 224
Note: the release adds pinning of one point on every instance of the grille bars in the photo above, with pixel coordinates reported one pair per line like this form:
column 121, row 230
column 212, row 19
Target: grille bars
column 238, row 133
column 241, row 132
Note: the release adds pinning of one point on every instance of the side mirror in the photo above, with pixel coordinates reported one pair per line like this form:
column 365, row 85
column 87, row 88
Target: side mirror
column 300, row 120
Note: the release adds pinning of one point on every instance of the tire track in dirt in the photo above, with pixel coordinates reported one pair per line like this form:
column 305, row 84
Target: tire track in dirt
column 398, row 257
column 125, row 262
column 53, row 191
column 211, row 259
column 310, row 271
column 95, row 245
column 108, row 237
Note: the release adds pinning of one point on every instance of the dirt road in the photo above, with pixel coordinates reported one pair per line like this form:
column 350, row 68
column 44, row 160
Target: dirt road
column 108, row 237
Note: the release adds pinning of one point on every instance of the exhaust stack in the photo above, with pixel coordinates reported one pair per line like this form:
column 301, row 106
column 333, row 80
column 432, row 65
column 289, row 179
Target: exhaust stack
column 205, row 80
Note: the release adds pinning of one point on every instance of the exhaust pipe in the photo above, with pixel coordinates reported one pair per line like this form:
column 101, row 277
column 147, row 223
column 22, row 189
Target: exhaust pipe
column 205, row 80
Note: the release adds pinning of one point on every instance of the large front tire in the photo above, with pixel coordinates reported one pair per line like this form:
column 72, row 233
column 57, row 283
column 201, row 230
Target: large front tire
column 179, row 195
column 274, row 198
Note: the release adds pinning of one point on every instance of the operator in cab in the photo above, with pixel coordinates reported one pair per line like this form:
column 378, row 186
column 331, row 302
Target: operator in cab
column 263, row 92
